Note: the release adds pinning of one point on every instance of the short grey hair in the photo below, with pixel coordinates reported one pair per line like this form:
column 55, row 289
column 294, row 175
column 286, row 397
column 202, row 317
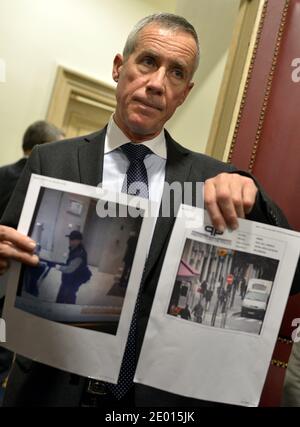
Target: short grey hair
column 165, row 20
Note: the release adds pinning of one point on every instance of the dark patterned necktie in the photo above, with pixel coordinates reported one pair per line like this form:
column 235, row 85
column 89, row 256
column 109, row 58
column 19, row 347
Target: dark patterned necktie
column 136, row 179
column 136, row 183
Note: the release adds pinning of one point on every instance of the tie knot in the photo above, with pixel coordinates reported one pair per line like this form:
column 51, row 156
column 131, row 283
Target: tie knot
column 135, row 151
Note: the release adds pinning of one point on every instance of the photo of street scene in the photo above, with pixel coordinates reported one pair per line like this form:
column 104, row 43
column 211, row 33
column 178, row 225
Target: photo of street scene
column 85, row 262
column 222, row 288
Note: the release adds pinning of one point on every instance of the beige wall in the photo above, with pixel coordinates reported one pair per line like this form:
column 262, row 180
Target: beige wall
column 37, row 35
column 214, row 21
column 84, row 35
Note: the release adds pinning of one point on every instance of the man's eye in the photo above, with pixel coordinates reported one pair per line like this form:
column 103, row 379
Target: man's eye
column 148, row 61
column 178, row 73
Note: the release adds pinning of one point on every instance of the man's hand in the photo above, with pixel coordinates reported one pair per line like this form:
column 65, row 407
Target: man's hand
column 15, row 246
column 227, row 197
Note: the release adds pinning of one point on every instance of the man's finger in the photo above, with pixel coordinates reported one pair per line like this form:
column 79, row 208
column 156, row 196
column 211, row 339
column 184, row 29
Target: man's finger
column 8, row 234
column 249, row 194
column 8, row 251
column 237, row 199
column 212, row 207
column 225, row 202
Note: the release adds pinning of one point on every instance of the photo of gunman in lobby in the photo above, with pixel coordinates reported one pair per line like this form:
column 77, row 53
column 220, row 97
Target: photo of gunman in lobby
column 75, row 272
column 85, row 262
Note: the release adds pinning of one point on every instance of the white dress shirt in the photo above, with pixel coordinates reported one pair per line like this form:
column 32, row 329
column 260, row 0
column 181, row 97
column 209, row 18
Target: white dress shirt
column 116, row 162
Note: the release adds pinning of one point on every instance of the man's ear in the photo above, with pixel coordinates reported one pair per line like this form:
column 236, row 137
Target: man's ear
column 186, row 92
column 118, row 63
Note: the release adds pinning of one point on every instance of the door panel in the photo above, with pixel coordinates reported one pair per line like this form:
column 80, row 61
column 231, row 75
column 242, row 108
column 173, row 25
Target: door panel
column 80, row 104
column 82, row 118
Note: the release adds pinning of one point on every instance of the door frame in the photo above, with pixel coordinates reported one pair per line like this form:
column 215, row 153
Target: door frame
column 241, row 57
column 70, row 85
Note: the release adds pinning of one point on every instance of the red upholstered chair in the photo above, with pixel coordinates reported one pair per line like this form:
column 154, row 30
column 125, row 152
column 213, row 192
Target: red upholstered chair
column 266, row 142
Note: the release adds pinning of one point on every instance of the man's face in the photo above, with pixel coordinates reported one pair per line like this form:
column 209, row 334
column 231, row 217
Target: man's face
column 153, row 81
column 74, row 243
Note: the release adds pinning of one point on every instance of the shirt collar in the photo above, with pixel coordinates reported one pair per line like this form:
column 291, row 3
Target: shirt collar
column 115, row 138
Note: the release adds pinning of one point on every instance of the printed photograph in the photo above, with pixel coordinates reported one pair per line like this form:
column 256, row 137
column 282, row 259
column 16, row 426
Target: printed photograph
column 222, row 288
column 85, row 262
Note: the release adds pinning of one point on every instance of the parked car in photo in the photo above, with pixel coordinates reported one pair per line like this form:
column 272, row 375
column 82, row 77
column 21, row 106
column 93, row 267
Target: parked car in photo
column 256, row 298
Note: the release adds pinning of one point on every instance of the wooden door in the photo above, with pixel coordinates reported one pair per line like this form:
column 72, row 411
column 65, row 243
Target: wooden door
column 83, row 117
column 80, row 104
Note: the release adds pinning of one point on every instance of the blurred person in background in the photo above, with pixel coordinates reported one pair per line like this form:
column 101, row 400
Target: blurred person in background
column 39, row 132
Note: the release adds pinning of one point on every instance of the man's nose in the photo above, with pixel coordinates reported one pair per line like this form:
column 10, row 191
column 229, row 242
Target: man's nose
column 157, row 81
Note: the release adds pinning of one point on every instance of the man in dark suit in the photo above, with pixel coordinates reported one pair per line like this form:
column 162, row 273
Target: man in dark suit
column 154, row 77
column 75, row 272
column 39, row 132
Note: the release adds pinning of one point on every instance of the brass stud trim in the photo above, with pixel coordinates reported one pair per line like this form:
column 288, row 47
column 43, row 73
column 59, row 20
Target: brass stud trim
column 268, row 87
column 285, row 340
column 249, row 76
column 279, row 363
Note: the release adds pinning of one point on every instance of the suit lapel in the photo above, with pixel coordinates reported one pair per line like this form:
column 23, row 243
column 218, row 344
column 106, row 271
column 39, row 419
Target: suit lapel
column 177, row 170
column 90, row 158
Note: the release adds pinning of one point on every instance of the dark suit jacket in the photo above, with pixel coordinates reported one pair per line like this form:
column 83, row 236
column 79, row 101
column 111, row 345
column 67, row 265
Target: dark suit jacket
column 81, row 160
column 9, row 176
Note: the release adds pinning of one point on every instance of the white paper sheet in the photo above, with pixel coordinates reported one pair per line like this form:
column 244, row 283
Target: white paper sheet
column 87, row 337
column 224, row 354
